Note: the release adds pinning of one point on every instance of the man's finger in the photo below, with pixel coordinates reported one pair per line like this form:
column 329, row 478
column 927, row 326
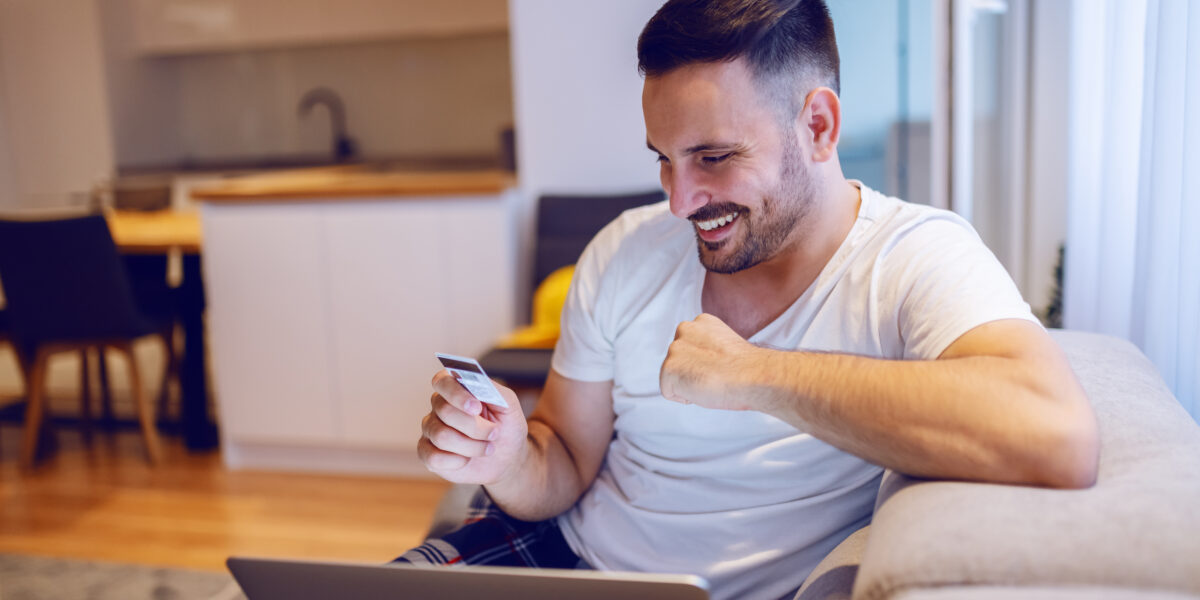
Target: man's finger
column 437, row 460
column 446, row 438
column 474, row 427
column 444, row 383
column 681, row 329
column 666, row 382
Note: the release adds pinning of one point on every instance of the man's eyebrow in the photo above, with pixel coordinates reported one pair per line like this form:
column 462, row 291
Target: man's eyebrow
column 706, row 147
column 694, row 149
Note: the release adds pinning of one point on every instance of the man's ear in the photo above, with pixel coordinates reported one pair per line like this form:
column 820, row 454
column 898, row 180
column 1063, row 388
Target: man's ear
column 821, row 122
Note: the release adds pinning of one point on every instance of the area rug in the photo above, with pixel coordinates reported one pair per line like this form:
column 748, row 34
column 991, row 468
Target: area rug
column 38, row 578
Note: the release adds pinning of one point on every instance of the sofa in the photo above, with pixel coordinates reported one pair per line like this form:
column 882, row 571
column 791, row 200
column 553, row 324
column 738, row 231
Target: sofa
column 1135, row 534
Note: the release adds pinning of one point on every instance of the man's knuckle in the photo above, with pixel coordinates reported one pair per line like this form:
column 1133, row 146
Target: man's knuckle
column 434, row 463
column 441, row 437
column 426, row 452
column 441, row 410
column 449, row 462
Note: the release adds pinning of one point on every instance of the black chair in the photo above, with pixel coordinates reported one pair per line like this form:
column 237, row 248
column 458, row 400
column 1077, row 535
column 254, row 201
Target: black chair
column 565, row 225
column 67, row 291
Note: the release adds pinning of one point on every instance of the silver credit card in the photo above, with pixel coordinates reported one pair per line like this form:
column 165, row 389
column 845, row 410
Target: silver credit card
column 468, row 372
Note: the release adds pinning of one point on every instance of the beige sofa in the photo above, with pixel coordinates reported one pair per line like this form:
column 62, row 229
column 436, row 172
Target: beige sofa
column 1135, row 534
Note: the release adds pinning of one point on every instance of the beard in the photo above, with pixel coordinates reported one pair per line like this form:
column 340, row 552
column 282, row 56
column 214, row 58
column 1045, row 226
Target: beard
column 767, row 230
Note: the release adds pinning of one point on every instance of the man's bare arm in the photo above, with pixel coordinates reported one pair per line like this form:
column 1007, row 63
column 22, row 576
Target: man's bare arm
column 1001, row 404
column 569, row 433
column 535, row 469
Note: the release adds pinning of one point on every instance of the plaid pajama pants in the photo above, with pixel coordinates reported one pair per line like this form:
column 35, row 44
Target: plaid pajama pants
column 490, row 537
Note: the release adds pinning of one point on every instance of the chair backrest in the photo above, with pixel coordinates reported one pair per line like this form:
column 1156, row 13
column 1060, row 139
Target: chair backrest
column 567, row 223
column 64, row 281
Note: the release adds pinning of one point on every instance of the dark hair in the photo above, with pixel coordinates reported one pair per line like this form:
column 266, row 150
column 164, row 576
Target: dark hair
column 782, row 40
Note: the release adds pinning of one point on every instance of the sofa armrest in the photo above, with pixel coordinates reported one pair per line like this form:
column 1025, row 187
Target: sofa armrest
column 1138, row 527
column 833, row 577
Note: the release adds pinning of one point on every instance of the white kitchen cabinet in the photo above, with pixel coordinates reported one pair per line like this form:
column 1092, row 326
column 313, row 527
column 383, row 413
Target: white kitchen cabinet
column 409, row 279
column 194, row 26
column 323, row 319
column 268, row 323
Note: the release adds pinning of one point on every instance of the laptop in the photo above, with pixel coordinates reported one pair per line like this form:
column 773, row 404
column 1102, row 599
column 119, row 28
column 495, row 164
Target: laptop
column 269, row 579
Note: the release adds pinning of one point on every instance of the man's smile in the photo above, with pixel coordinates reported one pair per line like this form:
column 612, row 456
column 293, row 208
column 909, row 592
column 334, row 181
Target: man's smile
column 718, row 222
column 717, row 228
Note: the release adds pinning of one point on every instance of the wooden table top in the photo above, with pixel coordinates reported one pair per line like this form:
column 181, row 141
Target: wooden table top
column 155, row 231
column 351, row 183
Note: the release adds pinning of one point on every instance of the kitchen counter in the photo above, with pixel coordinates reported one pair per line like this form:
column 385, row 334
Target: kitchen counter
column 352, row 182
column 329, row 289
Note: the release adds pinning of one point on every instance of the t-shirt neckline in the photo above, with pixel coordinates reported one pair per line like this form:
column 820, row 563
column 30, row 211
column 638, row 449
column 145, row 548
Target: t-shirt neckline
column 861, row 221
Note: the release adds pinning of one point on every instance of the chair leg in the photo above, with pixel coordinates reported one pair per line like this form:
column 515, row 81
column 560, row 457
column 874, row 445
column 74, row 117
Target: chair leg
column 35, row 386
column 85, row 392
column 23, row 366
column 144, row 408
column 105, row 390
column 170, row 370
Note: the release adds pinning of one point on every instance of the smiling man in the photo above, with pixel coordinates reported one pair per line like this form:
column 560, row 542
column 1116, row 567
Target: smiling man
column 730, row 414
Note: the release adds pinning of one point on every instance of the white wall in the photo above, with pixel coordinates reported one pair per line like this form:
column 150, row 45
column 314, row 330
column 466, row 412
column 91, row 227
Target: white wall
column 55, row 109
column 9, row 186
column 143, row 95
column 577, row 106
column 578, row 96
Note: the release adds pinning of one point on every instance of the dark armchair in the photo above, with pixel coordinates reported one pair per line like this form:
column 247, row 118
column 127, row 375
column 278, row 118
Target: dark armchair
column 565, row 225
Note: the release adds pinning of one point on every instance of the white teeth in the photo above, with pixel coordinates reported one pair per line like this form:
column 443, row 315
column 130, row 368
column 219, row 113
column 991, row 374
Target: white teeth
column 715, row 223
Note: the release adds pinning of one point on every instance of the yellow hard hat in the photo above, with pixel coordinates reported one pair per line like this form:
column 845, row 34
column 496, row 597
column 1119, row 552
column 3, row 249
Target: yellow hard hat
column 548, row 301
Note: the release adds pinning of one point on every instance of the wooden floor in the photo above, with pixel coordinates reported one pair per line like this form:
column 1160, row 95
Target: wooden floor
column 106, row 503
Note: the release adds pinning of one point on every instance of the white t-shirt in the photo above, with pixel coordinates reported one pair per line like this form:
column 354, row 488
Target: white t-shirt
column 741, row 498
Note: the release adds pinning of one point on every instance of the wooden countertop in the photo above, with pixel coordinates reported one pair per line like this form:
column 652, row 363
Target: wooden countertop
column 351, row 182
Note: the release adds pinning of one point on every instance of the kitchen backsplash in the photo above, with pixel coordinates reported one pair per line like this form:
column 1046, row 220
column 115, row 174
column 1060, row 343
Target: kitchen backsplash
column 412, row 97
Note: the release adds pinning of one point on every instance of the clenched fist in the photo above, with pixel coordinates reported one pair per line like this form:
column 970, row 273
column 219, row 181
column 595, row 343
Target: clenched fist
column 710, row 365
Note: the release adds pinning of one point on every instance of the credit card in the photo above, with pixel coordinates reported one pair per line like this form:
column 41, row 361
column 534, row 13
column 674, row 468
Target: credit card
column 468, row 372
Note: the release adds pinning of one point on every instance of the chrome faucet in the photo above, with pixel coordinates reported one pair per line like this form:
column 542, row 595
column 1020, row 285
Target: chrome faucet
column 344, row 147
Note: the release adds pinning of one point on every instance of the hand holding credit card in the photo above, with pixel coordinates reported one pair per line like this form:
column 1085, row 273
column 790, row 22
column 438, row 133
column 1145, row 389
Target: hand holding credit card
column 468, row 372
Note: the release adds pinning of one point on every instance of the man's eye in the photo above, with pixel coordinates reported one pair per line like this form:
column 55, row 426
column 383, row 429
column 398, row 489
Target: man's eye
column 662, row 159
column 712, row 160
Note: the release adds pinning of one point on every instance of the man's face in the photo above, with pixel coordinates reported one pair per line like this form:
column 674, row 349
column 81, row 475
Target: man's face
column 728, row 161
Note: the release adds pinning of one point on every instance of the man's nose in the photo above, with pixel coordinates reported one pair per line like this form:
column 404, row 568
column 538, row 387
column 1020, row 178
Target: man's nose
column 686, row 194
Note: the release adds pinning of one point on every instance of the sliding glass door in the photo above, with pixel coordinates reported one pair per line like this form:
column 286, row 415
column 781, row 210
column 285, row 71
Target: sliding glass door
column 934, row 109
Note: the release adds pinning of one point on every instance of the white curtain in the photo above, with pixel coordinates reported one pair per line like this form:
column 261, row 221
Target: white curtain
column 1133, row 219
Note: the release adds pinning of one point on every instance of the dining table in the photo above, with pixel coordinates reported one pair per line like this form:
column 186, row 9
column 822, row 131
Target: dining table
column 170, row 231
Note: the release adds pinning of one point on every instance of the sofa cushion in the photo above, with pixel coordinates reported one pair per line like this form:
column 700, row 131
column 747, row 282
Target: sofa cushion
column 1138, row 527
column 984, row 592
